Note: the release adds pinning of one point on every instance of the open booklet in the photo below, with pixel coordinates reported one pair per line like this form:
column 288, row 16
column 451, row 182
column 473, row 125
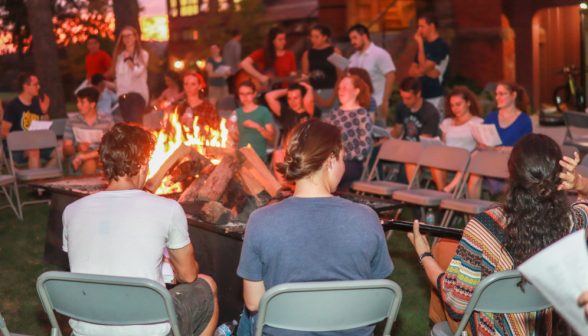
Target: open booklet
column 436, row 141
column 37, row 125
column 560, row 273
column 339, row 61
column 93, row 136
column 486, row 134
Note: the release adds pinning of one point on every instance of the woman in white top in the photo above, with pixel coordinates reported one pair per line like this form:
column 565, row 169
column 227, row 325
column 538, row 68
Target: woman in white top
column 130, row 66
column 462, row 108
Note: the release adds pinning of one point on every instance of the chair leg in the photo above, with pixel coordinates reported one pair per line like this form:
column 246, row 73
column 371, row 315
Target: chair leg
column 8, row 193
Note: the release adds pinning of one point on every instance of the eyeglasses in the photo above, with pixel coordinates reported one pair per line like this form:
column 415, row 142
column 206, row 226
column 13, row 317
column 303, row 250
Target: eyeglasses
column 128, row 35
column 246, row 94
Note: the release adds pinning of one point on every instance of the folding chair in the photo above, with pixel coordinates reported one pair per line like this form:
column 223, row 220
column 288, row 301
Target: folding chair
column 58, row 126
column 107, row 300
column 440, row 157
column 4, row 328
column 576, row 120
column 9, row 186
column 487, row 164
column 498, row 293
column 329, row 305
column 392, row 150
column 27, row 140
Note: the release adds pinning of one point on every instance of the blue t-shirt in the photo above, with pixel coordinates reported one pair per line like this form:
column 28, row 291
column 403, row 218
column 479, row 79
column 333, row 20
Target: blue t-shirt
column 438, row 52
column 314, row 239
column 510, row 135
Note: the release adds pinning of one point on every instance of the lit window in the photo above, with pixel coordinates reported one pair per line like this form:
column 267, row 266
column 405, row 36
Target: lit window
column 188, row 7
column 190, row 35
column 173, row 8
column 204, row 5
column 223, row 5
column 237, row 4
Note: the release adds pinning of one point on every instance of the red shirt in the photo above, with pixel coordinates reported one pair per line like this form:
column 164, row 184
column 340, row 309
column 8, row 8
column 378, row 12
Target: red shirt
column 97, row 63
column 284, row 65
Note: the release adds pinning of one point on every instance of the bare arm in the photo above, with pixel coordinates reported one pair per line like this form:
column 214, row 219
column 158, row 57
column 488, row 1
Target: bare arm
column 252, row 293
column 211, row 72
column 6, row 126
column 415, row 71
column 426, row 67
column 305, row 63
column 397, row 131
column 390, row 76
column 326, row 103
column 184, row 265
column 68, row 147
column 272, row 100
column 247, row 65
column 308, row 100
column 267, row 132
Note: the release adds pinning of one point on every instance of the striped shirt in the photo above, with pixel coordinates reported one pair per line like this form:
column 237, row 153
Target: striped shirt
column 103, row 122
column 481, row 253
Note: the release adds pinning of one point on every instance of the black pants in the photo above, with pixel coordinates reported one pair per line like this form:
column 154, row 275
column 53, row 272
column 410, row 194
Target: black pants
column 194, row 305
column 132, row 107
column 353, row 170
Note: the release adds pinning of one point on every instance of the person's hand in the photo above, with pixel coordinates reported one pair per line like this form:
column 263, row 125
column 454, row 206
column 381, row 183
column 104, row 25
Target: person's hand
column 384, row 109
column 228, row 73
column 251, row 124
column 130, row 64
column 307, row 86
column 583, row 301
column 264, row 80
column 83, row 146
column 570, row 179
column 418, row 38
column 44, row 104
column 420, row 243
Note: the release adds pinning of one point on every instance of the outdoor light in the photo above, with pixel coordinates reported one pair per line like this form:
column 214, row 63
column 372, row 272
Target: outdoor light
column 583, row 5
column 200, row 63
column 178, row 64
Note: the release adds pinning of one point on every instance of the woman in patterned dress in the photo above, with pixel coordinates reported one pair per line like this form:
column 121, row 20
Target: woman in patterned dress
column 534, row 216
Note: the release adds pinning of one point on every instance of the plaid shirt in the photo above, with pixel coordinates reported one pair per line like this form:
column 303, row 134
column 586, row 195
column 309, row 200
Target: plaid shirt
column 103, row 122
column 207, row 116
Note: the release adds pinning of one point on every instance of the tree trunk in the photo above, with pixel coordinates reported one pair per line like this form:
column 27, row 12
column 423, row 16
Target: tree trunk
column 126, row 13
column 46, row 54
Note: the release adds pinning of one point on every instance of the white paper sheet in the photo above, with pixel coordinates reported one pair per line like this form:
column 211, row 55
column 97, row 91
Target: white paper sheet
column 87, row 135
column 436, row 141
column 560, row 273
column 339, row 61
column 486, row 134
column 223, row 69
column 37, row 125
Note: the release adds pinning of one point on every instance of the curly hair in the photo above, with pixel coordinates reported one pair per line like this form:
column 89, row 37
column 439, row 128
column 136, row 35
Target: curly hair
column 124, row 149
column 468, row 96
column 536, row 211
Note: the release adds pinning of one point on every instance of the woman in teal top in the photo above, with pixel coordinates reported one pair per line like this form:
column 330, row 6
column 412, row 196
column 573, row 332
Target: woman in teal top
column 255, row 124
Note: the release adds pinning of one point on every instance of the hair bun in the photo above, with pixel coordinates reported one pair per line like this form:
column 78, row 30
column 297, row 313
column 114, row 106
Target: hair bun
column 543, row 189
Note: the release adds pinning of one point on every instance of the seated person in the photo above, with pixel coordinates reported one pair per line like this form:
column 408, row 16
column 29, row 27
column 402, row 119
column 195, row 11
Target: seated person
column 195, row 107
column 512, row 123
column 300, row 108
column 312, row 236
column 255, row 126
column 19, row 115
column 415, row 117
column 174, row 93
column 85, row 154
column 107, row 98
column 123, row 231
column 534, row 216
column 462, row 109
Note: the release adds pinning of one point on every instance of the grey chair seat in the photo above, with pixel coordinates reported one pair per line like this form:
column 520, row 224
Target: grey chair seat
column 468, row 205
column 383, row 188
column 37, row 174
column 423, row 197
column 441, row 329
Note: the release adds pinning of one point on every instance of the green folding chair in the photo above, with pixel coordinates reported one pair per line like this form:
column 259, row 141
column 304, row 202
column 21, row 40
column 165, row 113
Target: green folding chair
column 106, row 300
column 329, row 305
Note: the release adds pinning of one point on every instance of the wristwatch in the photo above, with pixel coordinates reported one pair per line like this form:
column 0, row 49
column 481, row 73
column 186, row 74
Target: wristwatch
column 425, row 254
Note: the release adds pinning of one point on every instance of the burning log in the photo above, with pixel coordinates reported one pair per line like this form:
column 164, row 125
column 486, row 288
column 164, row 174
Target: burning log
column 216, row 213
column 217, row 182
column 184, row 171
column 191, row 193
column 250, row 184
column 260, row 172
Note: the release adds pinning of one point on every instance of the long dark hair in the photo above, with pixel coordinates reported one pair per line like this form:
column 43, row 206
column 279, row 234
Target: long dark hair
column 269, row 50
column 536, row 211
column 468, row 96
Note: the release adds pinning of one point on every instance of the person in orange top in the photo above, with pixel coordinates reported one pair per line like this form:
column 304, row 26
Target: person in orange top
column 274, row 56
column 97, row 61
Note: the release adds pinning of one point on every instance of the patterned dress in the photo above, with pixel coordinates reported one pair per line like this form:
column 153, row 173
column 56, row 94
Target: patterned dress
column 479, row 254
column 356, row 128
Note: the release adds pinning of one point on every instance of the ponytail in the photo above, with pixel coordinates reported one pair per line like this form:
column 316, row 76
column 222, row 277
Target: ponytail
column 522, row 100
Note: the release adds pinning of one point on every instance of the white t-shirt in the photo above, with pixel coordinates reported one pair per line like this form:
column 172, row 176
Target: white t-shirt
column 460, row 136
column 134, row 80
column 122, row 233
column 377, row 62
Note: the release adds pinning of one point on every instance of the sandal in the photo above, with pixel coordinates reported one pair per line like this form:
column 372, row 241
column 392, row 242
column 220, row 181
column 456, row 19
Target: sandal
column 76, row 163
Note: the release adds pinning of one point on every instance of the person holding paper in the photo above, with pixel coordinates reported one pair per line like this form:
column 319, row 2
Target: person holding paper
column 463, row 109
column 218, row 86
column 19, row 115
column 84, row 154
column 512, row 123
column 534, row 215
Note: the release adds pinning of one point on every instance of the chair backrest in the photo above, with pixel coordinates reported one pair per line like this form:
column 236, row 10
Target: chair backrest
column 27, row 140
column 445, row 157
column 58, row 126
column 401, row 151
column 3, row 327
column 329, row 305
column 575, row 119
column 105, row 300
column 490, row 164
column 499, row 293
column 569, row 150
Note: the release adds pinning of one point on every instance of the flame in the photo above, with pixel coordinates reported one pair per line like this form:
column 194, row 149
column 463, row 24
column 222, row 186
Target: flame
column 170, row 138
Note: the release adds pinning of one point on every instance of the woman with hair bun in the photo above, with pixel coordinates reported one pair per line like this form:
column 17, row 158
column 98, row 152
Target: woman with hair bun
column 313, row 235
column 534, row 215
column 355, row 124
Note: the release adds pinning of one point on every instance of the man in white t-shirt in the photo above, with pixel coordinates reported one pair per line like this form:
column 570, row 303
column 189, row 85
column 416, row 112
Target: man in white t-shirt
column 123, row 231
column 377, row 62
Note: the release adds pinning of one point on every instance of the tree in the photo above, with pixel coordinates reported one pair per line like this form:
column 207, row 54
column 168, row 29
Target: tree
column 45, row 54
column 126, row 13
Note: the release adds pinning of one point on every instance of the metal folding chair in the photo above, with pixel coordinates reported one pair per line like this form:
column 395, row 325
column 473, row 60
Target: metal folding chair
column 9, row 186
column 106, row 300
column 58, row 126
column 576, row 120
column 498, row 293
column 4, row 328
column 329, row 305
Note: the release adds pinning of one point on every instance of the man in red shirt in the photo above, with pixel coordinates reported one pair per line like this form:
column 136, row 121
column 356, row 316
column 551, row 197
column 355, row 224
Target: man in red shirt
column 274, row 56
column 97, row 61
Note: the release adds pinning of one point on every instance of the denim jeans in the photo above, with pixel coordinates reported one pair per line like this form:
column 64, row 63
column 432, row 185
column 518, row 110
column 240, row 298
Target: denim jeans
column 247, row 323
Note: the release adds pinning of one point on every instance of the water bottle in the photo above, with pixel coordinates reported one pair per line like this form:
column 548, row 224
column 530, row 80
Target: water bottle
column 226, row 329
column 430, row 218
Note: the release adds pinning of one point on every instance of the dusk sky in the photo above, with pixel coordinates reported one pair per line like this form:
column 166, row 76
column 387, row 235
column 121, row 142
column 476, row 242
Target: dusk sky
column 153, row 7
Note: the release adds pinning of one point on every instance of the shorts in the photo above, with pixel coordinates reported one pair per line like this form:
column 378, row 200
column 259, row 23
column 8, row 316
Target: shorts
column 18, row 156
column 194, row 305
